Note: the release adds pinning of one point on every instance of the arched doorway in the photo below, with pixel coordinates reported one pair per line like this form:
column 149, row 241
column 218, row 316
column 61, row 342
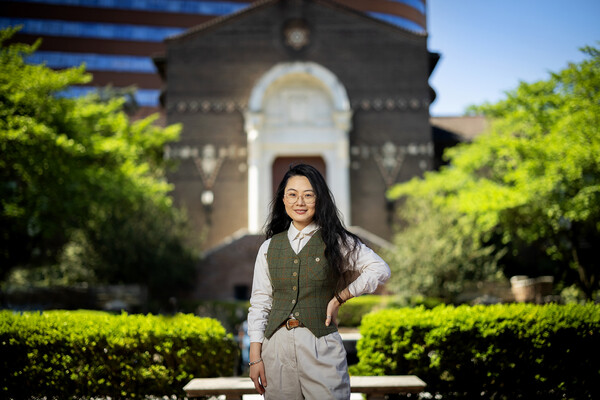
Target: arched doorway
column 296, row 110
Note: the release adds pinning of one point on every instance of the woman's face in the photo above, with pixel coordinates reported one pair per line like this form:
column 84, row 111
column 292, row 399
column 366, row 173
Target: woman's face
column 299, row 200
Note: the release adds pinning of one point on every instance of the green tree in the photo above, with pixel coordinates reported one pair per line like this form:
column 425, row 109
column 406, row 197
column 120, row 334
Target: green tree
column 534, row 179
column 436, row 254
column 78, row 172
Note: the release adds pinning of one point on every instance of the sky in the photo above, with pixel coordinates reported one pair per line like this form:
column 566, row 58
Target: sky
column 488, row 46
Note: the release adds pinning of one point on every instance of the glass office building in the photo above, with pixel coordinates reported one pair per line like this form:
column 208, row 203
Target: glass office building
column 117, row 39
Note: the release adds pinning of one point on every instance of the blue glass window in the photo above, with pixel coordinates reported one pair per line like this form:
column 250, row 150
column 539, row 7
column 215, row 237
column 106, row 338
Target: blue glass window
column 398, row 21
column 173, row 6
column 416, row 4
column 93, row 62
column 144, row 97
column 91, row 29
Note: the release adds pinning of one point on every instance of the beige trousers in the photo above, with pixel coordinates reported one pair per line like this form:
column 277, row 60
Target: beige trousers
column 299, row 366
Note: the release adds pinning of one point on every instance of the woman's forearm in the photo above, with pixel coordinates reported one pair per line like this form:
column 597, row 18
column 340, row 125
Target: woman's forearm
column 255, row 351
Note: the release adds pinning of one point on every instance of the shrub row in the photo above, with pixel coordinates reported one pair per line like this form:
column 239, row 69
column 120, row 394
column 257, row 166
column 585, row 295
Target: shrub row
column 351, row 314
column 75, row 354
column 516, row 351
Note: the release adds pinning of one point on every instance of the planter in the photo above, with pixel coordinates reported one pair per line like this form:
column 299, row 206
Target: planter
column 531, row 290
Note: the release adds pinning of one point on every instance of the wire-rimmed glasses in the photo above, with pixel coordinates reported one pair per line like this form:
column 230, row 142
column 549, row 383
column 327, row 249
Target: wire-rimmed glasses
column 292, row 198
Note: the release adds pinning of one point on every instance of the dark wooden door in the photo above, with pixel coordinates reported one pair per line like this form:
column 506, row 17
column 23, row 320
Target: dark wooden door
column 281, row 165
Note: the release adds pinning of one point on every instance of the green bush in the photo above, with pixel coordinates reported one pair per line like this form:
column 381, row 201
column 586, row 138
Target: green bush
column 517, row 351
column 352, row 312
column 62, row 354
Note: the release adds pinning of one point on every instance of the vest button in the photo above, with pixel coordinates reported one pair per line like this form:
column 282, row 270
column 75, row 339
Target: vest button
column 294, row 288
column 297, row 313
column 317, row 259
column 296, row 261
column 295, row 274
column 294, row 301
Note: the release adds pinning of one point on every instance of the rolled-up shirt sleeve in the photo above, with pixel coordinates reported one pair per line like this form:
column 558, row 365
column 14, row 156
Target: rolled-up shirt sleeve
column 261, row 299
column 372, row 271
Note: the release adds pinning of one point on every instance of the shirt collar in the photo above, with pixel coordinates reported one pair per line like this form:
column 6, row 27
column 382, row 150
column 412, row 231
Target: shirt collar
column 309, row 230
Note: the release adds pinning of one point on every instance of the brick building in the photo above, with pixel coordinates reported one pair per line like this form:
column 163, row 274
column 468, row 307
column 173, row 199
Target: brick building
column 289, row 81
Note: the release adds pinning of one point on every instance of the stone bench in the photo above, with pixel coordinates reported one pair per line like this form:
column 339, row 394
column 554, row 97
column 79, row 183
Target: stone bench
column 374, row 387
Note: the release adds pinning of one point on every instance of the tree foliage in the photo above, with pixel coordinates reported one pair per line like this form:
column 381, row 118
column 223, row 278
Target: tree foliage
column 78, row 172
column 532, row 183
column 437, row 255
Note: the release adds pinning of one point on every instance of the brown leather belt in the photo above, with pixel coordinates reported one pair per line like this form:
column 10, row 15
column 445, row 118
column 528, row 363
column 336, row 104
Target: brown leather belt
column 292, row 323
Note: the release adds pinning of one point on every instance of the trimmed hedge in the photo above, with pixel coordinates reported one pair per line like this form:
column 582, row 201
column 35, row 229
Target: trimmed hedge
column 68, row 354
column 351, row 314
column 516, row 351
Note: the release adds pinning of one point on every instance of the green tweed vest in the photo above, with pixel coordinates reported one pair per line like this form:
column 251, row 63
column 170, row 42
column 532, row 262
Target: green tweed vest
column 302, row 284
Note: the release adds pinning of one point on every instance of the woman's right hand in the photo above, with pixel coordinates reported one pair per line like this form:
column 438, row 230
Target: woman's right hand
column 257, row 371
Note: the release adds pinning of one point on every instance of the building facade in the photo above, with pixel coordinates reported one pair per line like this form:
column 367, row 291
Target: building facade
column 292, row 81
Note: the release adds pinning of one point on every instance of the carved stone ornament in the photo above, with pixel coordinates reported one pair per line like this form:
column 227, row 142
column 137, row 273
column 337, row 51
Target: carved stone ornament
column 389, row 161
column 209, row 165
column 296, row 34
column 390, row 157
column 208, row 159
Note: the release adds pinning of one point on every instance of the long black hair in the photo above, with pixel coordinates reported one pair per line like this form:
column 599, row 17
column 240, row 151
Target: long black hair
column 327, row 217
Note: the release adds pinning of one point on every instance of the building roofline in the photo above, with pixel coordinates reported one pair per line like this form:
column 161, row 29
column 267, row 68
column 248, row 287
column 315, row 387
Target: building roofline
column 343, row 7
column 466, row 128
column 257, row 5
column 240, row 234
column 220, row 20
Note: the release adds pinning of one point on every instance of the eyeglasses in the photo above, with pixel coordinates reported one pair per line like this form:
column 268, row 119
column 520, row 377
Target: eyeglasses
column 292, row 198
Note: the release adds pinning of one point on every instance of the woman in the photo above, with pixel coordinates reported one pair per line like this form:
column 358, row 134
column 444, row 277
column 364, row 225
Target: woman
column 301, row 279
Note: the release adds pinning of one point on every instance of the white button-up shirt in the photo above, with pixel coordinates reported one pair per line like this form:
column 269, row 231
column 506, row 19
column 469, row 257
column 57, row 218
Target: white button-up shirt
column 372, row 272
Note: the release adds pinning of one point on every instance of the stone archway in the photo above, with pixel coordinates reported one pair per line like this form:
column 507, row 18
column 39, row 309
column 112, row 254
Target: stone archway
column 297, row 109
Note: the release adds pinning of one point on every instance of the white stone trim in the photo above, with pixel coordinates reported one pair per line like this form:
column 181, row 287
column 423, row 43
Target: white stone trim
column 337, row 90
column 266, row 142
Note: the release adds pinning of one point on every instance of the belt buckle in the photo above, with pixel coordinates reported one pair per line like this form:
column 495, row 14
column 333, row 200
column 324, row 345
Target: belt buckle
column 287, row 324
